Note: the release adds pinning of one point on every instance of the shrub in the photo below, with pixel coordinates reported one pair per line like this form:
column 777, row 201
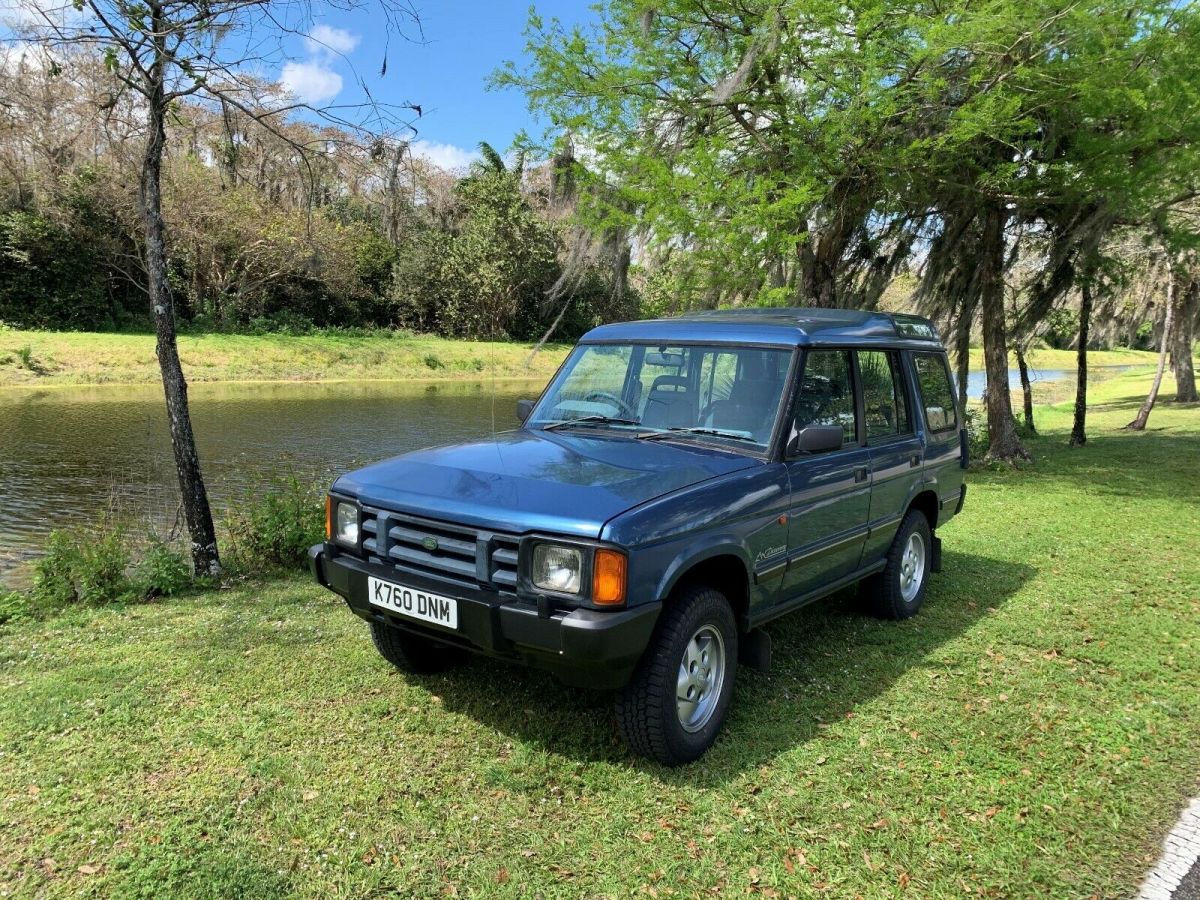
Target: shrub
column 13, row 607
column 433, row 362
column 273, row 527
column 977, row 433
column 83, row 567
column 161, row 572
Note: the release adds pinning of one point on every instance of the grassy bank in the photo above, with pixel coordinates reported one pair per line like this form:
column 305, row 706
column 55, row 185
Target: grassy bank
column 44, row 358
column 1046, row 358
column 1032, row 733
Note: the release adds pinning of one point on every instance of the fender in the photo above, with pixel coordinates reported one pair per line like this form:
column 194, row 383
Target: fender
column 695, row 552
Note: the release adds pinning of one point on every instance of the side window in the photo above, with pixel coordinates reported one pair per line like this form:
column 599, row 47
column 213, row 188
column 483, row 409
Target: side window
column 937, row 391
column 827, row 393
column 884, row 399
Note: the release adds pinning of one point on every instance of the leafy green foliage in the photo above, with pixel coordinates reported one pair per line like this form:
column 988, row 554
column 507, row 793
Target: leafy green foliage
column 1062, row 326
column 489, row 275
column 272, row 528
column 47, row 278
column 161, row 572
column 87, row 566
column 14, row 607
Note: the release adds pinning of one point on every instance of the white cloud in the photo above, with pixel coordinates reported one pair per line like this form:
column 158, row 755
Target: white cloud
column 23, row 15
column 444, row 156
column 324, row 40
column 312, row 82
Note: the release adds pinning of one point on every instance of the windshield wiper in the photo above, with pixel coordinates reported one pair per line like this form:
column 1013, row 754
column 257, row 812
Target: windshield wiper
column 589, row 420
column 675, row 432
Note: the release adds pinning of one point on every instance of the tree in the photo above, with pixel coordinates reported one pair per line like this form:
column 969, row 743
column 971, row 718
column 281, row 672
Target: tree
column 1079, row 424
column 1139, row 422
column 802, row 153
column 163, row 52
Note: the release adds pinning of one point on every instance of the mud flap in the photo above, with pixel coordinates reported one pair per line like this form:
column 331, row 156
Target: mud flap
column 935, row 562
column 754, row 650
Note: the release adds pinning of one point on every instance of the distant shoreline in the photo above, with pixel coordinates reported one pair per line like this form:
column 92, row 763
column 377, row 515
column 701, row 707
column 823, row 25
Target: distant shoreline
column 87, row 359
column 43, row 359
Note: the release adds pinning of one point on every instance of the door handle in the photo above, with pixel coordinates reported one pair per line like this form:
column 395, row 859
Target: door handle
column 914, row 460
column 860, row 474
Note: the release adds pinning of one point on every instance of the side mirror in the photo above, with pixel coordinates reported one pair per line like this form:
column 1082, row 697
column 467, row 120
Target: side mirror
column 815, row 439
column 524, row 408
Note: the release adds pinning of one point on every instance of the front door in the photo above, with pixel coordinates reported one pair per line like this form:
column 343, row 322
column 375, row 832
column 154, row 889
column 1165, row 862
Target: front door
column 830, row 492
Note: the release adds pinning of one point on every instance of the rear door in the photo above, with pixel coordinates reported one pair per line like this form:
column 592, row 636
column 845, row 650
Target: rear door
column 941, row 422
column 895, row 446
column 830, row 492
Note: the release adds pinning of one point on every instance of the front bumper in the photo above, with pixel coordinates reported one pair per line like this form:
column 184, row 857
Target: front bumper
column 594, row 648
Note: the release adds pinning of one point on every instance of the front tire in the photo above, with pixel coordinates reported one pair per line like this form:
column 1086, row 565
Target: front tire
column 675, row 705
column 412, row 653
column 899, row 590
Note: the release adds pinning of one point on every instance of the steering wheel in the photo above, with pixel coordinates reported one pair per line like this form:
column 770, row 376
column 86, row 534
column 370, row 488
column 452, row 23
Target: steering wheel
column 622, row 407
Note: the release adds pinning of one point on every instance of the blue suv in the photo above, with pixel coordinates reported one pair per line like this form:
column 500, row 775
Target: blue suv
column 679, row 484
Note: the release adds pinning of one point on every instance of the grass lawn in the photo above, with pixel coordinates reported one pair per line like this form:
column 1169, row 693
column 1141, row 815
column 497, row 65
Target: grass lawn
column 90, row 358
column 1033, row 732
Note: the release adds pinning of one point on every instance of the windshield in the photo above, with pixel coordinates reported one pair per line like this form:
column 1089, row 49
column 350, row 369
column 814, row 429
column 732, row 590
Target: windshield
column 713, row 393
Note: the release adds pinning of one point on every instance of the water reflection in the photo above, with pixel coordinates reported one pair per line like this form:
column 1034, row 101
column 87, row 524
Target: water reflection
column 66, row 453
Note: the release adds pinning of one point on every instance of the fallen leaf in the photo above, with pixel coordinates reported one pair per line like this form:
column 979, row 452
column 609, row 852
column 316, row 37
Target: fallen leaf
column 49, row 865
column 309, row 795
column 88, row 869
column 501, row 875
column 33, row 790
column 904, row 879
column 821, row 760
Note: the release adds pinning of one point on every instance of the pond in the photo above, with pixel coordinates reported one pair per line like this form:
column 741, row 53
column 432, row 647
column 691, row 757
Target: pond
column 67, row 454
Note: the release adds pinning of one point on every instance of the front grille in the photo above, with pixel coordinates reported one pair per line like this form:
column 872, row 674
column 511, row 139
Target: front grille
column 456, row 553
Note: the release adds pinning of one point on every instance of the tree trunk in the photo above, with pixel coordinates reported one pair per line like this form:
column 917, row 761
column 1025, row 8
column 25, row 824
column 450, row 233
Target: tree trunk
column 1181, row 343
column 962, row 352
column 197, row 513
column 1003, row 442
column 1079, row 429
column 1139, row 424
column 1026, row 388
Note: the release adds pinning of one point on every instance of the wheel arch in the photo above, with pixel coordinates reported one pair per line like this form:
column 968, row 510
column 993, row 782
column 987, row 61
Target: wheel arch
column 723, row 567
column 926, row 501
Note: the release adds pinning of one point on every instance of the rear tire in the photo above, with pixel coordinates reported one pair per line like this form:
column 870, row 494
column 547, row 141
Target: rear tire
column 899, row 590
column 674, row 706
column 412, row 653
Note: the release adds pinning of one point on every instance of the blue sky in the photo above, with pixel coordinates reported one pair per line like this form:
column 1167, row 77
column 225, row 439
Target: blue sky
column 465, row 41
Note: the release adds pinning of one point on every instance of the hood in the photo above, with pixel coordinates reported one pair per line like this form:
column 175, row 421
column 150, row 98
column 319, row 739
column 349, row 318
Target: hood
column 518, row 481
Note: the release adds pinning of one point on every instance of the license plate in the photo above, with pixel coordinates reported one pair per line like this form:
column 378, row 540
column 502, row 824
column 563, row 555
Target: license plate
column 412, row 603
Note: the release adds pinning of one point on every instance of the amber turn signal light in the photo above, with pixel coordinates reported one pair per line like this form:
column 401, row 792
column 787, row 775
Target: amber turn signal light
column 608, row 578
column 328, row 517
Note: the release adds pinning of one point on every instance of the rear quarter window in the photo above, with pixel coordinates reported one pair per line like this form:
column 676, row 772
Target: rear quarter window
column 937, row 391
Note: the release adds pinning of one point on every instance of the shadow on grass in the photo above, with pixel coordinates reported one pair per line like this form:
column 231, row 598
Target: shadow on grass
column 828, row 659
column 1131, row 465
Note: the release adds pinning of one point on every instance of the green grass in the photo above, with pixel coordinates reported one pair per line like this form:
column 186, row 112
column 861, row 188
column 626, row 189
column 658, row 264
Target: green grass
column 44, row 358
column 1033, row 732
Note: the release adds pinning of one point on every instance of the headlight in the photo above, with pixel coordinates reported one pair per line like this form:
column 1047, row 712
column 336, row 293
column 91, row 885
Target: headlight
column 557, row 568
column 346, row 524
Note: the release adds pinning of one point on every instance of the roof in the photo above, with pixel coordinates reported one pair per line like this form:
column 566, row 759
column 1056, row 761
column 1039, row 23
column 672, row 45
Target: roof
column 799, row 327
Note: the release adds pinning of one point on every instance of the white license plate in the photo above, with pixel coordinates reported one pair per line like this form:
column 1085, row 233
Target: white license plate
column 412, row 603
